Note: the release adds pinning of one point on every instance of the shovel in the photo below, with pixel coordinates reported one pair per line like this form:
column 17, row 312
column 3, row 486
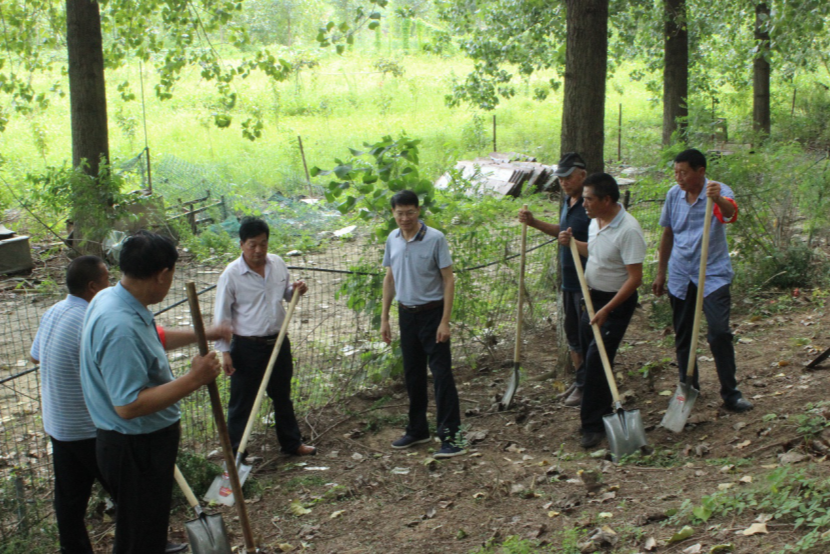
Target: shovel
column 513, row 383
column 624, row 428
column 206, row 533
column 219, row 419
column 219, row 490
column 681, row 405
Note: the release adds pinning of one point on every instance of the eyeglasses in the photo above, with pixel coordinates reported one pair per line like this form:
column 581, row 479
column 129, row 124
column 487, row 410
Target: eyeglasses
column 409, row 213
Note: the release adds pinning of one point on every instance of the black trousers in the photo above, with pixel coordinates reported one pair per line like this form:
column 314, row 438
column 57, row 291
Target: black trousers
column 573, row 308
column 139, row 471
column 717, row 313
column 419, row 347
column 597, row 396
column 250, row 360
column 76, row 469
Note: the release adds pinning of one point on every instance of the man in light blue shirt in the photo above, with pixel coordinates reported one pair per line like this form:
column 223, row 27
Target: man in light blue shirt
column 420, row 275
column 132, row 395
column 680, row 252
column 65, row 417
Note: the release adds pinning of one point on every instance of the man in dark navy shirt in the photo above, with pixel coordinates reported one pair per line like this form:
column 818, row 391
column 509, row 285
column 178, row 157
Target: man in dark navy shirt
column 571, row 171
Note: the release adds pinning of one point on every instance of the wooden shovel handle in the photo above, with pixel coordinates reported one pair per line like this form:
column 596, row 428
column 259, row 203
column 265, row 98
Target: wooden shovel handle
column 699, row 297
column 598, row 337
column 180, row 480
column 521, row 290
column 221, row 424
column 269, row 369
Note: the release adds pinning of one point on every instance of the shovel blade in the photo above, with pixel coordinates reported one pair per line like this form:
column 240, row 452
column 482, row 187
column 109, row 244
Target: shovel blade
column 220, row 490
column 513, row 383
column 207, row 535
column 680, row 408
column 625, row 432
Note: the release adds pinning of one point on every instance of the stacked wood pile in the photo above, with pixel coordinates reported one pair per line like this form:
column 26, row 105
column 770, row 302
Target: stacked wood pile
column 505, row 174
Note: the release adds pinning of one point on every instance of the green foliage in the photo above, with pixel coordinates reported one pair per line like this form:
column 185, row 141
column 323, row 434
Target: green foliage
column 657, row 458
column 366, row 182
column 789, row 496
column 96, row 204
column 770, row 235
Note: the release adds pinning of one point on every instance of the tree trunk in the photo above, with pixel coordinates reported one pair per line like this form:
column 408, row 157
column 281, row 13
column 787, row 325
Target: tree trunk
column 585, row 80
column 761, row 73
column 88, row 113
column 676, row 62
column 87, row 94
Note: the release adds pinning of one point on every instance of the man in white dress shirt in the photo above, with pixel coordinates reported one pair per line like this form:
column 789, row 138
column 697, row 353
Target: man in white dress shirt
column 249, row 295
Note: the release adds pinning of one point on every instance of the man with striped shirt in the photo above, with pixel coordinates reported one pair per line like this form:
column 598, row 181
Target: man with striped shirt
column 65, row 417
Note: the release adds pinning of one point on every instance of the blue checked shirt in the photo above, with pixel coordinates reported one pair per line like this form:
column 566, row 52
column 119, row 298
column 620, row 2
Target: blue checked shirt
column 687, row 224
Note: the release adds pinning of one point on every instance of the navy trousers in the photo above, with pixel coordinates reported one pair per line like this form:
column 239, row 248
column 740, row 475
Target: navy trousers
column 717, row 313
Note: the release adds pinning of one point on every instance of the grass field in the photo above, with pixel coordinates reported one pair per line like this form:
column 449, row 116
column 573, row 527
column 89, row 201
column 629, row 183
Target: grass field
column 341, row 103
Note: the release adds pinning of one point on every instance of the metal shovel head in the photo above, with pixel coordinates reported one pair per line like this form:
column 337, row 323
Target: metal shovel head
column 513, row 383
column 624, row 430
column 680, row 408
column 207, row 535
column 220, row 490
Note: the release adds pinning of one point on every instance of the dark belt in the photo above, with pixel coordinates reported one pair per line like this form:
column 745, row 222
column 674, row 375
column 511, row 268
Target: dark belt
column 420, row 308
column 270, row 339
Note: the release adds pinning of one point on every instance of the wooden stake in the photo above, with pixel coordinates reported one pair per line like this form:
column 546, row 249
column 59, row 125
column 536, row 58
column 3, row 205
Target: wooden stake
column 305, row 167
column 494, row 133
column 619, row 128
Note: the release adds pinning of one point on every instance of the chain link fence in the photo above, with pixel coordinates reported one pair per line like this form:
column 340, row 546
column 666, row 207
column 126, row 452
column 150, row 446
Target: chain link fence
column 336, row 344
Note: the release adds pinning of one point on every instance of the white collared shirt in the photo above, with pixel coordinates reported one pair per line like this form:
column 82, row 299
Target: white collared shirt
column 611, row 249
column 252, row 303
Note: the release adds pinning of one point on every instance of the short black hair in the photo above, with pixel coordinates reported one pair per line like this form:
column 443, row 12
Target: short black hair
column 144, row 254
column 252, row 227
column 693, row 157
column 404, row 198
column 603, row 185
column 81, row 271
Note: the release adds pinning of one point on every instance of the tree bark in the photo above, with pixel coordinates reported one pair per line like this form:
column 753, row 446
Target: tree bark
column 761, row 73
column 88, row 114
column 676, row 62
column 584, row 94
column 87, row 94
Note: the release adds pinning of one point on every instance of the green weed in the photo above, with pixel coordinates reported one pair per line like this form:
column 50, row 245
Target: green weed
column 789, row 496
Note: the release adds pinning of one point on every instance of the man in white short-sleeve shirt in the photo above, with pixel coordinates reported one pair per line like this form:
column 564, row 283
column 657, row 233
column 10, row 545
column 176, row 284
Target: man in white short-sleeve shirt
column 616, row 250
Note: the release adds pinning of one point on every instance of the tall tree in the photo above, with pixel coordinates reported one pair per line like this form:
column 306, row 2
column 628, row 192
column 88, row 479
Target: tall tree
column 584, row 97
column 87, row 91
column 761, row 71
column 676, row 64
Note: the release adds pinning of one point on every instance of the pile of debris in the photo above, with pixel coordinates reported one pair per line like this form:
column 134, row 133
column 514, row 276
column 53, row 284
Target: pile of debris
column 505, row 174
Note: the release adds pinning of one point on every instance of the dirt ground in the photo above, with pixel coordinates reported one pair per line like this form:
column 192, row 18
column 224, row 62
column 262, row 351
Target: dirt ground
column 521, row 475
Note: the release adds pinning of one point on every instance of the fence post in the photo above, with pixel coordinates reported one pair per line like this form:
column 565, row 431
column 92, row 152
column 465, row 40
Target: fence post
column 494, row 133
column 305, row 167
column 619, row 128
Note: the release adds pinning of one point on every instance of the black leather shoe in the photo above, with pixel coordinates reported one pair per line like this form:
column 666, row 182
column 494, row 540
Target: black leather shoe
column 591, row 438
column 174, row 547
column 740, row 406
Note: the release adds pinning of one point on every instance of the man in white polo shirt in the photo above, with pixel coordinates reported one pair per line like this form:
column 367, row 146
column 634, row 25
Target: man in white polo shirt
column 420, row 275
column 616, row 250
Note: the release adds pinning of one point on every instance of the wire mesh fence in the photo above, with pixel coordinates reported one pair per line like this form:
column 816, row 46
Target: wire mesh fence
column 335, row 341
